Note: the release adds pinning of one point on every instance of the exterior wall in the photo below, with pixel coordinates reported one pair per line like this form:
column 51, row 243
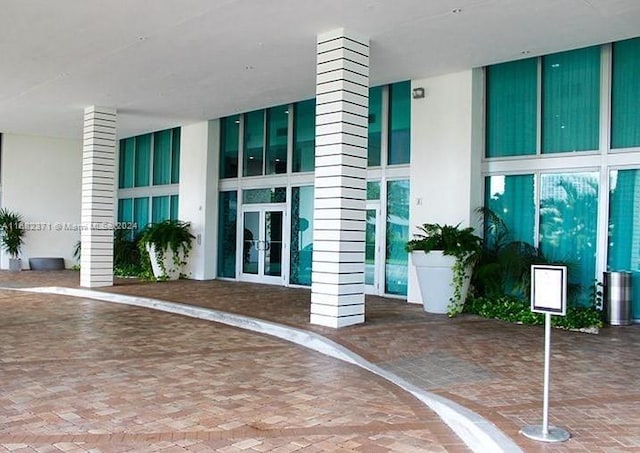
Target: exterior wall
column 198, row 193
column 446, row 156
column 41, row 179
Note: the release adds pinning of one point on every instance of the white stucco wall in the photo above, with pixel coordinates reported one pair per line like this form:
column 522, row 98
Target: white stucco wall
column 445, row 154
column 199, row 195
column 41, row 179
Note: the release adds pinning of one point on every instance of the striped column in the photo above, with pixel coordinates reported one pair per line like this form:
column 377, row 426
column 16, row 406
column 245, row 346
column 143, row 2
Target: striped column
column 342, row 111
column 98, row 197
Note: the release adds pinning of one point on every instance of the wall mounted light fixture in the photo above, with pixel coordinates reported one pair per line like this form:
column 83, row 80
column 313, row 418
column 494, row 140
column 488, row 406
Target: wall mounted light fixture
column 417, row 93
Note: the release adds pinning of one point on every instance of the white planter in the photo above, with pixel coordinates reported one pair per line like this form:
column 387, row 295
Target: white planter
column 173, row 273
column 435, row 279
column 15, row 264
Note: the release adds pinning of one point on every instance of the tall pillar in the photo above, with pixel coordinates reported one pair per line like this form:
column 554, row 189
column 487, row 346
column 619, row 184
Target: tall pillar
column 342, row 114
column 98, row 197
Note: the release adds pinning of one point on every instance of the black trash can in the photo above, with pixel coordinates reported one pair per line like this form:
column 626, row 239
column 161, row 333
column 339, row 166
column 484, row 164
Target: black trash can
column 617, row 298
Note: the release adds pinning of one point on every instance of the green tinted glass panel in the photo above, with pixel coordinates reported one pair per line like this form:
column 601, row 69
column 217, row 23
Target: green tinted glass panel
column 141, row 212
column 229, row 139
column 568, row 222
column 127, row 163
column 174, row 207
column 162, row 157
column 175, row 156
column 160, row 209
column 301, row 235
column 373, row 190
column 277, row 138
column 274, row 195
column 512, row 199
column 228, row 210
column 571, row 101
column 625, row 120
column 512, row 90
column 253, row 143
column 370, row 248
column 125, row 210
column 624, row 230
column 399, row 123
column 142, row 160
column 397, row 232
column 304, row 135
column 375, row 126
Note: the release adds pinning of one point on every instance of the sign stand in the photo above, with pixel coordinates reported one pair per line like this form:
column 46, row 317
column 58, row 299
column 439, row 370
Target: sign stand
column 548, row 296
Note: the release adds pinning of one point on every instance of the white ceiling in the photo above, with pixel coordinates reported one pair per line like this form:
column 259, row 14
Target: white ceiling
column 163, row 63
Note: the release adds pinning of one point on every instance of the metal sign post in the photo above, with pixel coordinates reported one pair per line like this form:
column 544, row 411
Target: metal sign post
column 548, row 296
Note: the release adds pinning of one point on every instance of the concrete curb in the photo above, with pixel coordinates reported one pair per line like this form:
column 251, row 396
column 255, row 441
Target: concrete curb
column 477, row 433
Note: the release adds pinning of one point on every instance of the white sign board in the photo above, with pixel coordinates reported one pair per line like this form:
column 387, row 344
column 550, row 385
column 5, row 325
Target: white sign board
column 549, row 289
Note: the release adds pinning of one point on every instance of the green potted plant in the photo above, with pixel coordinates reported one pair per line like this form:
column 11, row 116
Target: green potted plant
column 444, row 256
column 166, row 246
column 12, row 237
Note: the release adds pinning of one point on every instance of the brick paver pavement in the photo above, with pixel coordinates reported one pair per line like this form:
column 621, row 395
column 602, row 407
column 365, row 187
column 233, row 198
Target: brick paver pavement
column 490, row 367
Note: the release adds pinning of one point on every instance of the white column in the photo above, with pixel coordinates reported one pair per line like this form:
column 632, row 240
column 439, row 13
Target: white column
column 98, row 197
column 199, row 157
column 342, row 112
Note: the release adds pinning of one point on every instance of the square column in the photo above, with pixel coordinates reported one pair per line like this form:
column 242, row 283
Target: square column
column 342, row 119
column 98, row 197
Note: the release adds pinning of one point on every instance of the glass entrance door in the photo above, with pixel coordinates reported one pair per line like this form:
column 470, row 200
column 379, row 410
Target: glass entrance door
column 372, row 256
column 263, row 245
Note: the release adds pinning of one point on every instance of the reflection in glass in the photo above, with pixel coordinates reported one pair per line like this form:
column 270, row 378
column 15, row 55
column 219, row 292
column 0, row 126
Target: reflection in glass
column 625, row 92
column 571, row 100
column 253, row 143
column 227, row 209
column 277, row 135
column 229, row 137
column 397, row 231
column 373, row 190
column 568, row 222
column 251, row 242
column 127, row 164
column 512, row 199
column 273, row 195
column 370, row 248
column 624, row 229
column 304, row 135
column 375, row 126
column 399, row 123
column 160, row 208
column 301, row 235
column 142, row 160
column 272, row 244
column 162, row 157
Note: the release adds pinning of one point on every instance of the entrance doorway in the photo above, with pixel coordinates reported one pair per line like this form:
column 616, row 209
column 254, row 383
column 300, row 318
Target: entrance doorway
column 373, row 259
column 263, row 244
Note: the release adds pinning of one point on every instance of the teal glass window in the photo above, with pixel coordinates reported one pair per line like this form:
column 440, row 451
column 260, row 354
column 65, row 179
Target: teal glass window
column 228, row 211
column 625, row 120
column 571, row 101
column 511, row 110
column 253, row 143
column 162, row 157
column 304, row 135
column 175, row 156
column 568, row 226
column 375, row 126
column 229, row 146
column 397, row 233
column 125, row 214
column 624, row 229
column 512, row 199
column 273, row 195
column 301, row 235
column 399, row 123
column 160, row 208
column 142, row 160
column 141, row 212
column 174, row 207
column 373, row 190
column 127, row 163
column 277, row 139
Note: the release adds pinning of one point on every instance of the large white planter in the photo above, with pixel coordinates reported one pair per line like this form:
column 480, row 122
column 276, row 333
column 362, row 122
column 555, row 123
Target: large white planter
column 435, row 279
column 172, row 273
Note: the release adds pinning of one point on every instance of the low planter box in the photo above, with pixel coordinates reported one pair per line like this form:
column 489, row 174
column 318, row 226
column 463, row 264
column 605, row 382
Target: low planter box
column 46, row 264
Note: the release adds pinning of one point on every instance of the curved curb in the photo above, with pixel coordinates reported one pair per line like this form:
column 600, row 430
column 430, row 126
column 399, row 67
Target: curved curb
column 477, row 433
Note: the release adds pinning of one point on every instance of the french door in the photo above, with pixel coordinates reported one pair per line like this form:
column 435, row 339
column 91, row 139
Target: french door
column 263, row 245
column 373, row 258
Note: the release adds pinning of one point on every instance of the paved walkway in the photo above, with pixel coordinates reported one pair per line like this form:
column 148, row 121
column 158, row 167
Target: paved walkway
column 490, row 367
